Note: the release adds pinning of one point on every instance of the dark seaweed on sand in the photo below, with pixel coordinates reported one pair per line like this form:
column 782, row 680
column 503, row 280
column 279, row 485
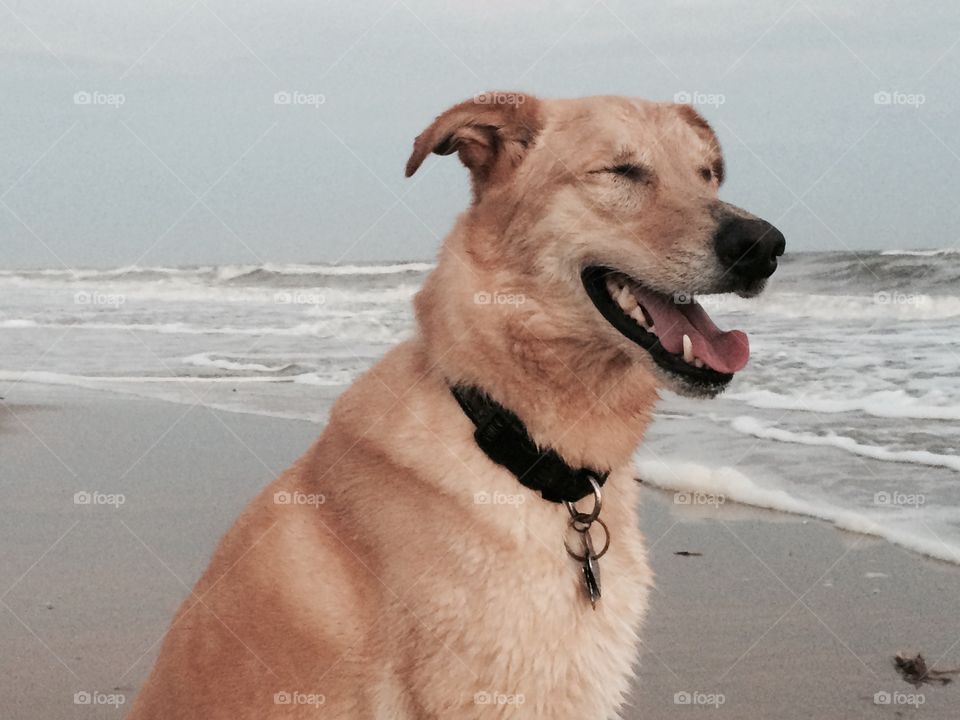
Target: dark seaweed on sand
column 915, row 671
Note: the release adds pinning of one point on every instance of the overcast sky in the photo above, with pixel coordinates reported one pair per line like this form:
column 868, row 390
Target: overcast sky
column 148, row 132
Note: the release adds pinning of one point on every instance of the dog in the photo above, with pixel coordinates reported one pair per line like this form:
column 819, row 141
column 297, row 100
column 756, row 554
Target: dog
column 430, row 579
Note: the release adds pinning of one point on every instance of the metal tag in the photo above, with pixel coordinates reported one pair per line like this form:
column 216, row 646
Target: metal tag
column 591, row 570
column 588, row 558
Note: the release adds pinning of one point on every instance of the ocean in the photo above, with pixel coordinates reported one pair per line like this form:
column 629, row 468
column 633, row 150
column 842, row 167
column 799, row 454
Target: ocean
column 848, row 410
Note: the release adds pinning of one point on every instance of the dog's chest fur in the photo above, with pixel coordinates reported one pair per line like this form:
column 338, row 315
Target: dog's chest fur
column 482, row 613
column 487, row 615
column 505, row 627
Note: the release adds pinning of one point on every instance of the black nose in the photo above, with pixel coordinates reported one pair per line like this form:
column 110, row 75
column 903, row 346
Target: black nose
column 748, row 248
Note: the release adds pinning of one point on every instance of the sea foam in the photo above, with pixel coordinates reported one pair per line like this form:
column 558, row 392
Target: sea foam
column 758, row 429
column 731, row 484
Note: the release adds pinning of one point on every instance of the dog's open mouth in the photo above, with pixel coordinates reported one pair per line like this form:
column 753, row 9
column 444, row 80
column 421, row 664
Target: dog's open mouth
column 675, row 330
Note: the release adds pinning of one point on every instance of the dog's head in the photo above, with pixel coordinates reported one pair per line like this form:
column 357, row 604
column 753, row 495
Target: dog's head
column 602, row 214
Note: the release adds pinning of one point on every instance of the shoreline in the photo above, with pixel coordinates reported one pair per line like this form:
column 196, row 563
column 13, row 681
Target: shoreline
column 727, row 482
column 778, row 615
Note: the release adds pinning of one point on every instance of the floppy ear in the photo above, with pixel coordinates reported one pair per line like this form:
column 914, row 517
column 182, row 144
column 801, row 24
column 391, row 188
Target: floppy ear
column 690, row 116
column 490, row 132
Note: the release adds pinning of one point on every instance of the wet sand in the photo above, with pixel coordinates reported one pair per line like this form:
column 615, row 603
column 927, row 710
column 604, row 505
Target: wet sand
column 776, row 617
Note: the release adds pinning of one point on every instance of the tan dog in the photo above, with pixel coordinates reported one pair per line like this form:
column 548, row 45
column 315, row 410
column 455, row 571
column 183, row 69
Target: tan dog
column 430, row 583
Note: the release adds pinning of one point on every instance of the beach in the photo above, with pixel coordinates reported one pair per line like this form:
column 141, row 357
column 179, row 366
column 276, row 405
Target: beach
column 113, row 503
column 717, row 240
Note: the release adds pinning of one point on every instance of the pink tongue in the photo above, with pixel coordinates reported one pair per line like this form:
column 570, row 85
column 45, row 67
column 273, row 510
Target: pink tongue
column 725, row 352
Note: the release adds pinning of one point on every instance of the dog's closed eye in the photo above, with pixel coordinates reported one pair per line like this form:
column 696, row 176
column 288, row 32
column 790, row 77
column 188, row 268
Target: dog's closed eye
column 630, row 171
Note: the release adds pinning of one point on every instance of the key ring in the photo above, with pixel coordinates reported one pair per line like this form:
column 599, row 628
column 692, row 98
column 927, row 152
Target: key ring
column 582, row 518
column 586, row 533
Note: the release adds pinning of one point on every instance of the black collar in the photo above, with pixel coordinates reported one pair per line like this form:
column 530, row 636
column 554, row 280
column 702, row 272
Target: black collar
column 505, row 440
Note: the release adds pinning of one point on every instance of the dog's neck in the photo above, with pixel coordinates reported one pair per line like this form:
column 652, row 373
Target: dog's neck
column 505, row 440
column 592, row 405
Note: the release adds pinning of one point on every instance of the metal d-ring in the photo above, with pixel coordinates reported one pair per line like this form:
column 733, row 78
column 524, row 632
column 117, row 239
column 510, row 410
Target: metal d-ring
column 585, row 519
column 586, row 531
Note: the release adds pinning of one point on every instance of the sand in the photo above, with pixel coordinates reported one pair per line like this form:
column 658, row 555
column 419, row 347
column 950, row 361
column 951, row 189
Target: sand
column 779, row 617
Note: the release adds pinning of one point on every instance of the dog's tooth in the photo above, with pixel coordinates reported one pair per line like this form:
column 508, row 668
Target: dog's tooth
column 626, row 299
column 613, row 288
column 687, row 349
column 637, row 315
column 698, row 362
